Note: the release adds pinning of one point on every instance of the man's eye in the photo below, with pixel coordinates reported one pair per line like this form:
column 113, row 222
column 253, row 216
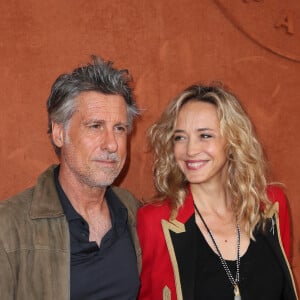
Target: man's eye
column 121, row 129
column 95, row 126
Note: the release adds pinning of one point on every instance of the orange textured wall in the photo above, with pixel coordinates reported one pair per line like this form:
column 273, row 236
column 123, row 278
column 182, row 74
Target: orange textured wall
column 253, row 46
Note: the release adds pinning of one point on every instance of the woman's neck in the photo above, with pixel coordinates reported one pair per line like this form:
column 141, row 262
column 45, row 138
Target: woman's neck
column 210, row 199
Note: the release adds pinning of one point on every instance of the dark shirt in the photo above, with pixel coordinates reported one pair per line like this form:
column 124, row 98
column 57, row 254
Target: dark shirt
column 108, row 272
column 261, row 277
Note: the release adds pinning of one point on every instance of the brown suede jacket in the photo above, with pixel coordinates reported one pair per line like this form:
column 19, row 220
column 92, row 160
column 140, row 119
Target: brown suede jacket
column 34, row 242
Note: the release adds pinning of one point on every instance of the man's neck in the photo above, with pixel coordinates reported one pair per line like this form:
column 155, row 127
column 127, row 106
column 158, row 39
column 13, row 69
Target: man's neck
column 89, row 202
column 82, row 197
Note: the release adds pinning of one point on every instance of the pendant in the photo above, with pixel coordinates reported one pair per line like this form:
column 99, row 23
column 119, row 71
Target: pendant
column 237, row 295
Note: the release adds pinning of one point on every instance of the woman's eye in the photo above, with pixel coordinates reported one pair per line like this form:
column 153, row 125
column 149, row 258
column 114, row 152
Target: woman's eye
column 178, row 138
column 205, row 136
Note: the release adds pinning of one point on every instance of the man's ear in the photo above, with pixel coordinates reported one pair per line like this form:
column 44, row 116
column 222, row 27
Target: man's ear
column 58, row 134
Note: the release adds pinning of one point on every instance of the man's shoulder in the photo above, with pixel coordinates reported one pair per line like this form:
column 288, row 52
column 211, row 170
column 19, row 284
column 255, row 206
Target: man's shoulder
column 124, row 194
column 14, row 210
column 126, row 197
column 19, row 204
column 17, row 201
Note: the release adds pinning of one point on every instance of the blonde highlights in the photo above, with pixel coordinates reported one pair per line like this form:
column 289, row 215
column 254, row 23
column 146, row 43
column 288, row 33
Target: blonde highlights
column 246, row 178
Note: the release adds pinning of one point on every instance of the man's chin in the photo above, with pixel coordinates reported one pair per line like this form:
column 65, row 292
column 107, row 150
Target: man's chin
column 105, row 182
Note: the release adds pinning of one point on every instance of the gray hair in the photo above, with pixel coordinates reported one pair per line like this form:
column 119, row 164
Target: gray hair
column 99, row 76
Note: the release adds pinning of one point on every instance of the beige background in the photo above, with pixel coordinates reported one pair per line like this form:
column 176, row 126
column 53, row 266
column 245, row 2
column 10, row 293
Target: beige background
column 253, row 46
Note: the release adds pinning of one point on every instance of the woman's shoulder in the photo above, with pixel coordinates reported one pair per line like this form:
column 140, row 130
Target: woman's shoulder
column 276, row 194
column 158, row 209
column 278, row 197
column 149, row 218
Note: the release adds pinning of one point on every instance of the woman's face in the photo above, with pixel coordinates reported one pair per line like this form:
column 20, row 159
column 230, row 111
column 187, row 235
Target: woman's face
column 199, row 148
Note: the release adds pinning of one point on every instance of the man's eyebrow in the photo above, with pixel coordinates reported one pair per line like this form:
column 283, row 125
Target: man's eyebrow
column 99, row 121
column 126, row 124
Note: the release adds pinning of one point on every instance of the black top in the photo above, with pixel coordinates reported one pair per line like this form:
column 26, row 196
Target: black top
column 108, row 272
column 261, row 277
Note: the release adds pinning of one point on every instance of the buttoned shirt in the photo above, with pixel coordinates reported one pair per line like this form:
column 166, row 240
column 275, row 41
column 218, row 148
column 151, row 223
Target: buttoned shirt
column 105, row 272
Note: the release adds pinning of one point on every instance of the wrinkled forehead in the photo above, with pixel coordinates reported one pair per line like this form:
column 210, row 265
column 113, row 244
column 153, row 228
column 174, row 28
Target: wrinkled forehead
column 94, row 106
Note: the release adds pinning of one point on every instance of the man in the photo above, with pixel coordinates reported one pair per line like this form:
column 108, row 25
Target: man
column 72, row 236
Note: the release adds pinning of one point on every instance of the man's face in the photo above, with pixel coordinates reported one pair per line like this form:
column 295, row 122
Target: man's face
column 94, row 142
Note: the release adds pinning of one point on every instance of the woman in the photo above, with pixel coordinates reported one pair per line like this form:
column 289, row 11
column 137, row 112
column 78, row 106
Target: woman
column 213, row 232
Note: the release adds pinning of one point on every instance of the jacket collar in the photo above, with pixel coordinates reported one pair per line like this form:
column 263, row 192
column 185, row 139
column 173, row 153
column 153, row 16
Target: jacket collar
column 45, row 200
column 272, row 211
column 186, row 210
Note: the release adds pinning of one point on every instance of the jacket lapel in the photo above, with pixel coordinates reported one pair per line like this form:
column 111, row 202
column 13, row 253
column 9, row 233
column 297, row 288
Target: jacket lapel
column 179, row 235
column 177, row 228
column 272, row 234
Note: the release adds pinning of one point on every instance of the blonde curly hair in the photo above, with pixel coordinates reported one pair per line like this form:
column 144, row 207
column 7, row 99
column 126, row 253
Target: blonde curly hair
column 246, row 178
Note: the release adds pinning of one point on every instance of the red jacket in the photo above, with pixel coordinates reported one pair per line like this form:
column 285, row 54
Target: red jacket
column 160, row 274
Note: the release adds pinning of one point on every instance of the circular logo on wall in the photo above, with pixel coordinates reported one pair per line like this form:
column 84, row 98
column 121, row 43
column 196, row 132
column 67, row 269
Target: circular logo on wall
column 274, row 25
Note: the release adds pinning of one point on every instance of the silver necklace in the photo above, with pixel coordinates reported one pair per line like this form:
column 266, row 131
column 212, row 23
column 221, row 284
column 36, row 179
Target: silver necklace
column 234, row 281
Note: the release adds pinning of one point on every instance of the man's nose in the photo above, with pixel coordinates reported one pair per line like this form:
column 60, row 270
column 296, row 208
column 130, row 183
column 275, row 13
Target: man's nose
column 109, row 141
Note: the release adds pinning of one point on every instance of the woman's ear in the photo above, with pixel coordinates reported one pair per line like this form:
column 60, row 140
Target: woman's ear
column 229, row 152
